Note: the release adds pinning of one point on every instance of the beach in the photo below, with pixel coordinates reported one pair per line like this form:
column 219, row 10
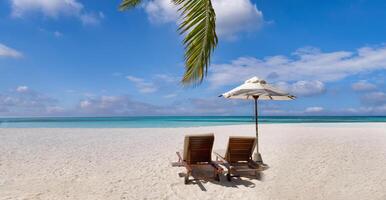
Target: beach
column 307, row 161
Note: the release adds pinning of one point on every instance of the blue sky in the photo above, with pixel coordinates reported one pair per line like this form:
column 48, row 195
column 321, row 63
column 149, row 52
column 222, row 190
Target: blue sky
column 85, row 58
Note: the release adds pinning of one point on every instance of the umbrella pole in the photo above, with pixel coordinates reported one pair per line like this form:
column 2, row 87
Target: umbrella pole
column 257, row 156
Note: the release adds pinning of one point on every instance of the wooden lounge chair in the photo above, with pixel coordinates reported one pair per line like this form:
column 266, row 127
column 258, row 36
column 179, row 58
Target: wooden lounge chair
column 198, row 152
column 238, row 157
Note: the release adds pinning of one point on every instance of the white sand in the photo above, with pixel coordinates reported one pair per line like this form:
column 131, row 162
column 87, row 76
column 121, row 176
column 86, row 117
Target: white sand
column 309, row 161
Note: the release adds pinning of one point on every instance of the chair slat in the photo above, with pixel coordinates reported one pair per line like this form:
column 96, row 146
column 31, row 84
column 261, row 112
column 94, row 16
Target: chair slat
column 200, row 149
column 240, row 149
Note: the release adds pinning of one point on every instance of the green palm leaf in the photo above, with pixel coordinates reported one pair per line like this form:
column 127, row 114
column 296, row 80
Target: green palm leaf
column 199, row 25
column 127, row 4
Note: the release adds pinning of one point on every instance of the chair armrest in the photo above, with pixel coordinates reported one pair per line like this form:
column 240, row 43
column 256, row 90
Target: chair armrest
column 253, row 163
column 179, row 156
column 223, row 160
column 220, row 156
column 188, row 167
column 185, row 164
column 218, row 167
column 256, row 165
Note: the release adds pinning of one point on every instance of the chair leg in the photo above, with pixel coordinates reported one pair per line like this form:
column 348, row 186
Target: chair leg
column 186, row 178
column 258, row 175
column 216, row 174
column 188, row 173
column 217, row 177
column 229, row 177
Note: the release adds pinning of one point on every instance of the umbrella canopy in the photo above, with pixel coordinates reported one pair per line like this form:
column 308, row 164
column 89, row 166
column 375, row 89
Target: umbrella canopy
column 257, row 89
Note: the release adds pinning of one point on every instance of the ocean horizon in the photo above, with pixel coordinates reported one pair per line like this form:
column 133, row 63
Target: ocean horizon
column 172, row 121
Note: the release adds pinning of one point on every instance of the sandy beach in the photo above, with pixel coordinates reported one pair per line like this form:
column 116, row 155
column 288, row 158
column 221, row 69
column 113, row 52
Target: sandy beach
column 307, row 161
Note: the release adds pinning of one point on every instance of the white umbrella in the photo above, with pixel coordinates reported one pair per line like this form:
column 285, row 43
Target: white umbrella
column 257, row 89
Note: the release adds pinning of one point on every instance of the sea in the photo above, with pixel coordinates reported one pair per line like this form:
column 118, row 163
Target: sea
column 173, row 121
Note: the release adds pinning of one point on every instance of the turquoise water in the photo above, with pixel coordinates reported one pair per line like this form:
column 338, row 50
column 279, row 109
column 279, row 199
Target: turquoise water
column 167, row 121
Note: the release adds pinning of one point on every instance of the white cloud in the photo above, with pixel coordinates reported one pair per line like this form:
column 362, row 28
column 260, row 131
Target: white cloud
column 169, row 96
column 161, row 11
column 315, row 109
column 32, row 103
column 374, row 98
column 308, row 88
column 366, row 110
column 84, row 104
column 91, row 18
column 102, row 102
column 116, row 105
column 54, row 9
column 166, row 78
column 55, row 33
column 125, row 105
column 305, row 64
column 9, row 52
column 303, row 88
column 232, row 16
column 22, row 89
column 168, row 84
column 58, row 34
column 50, row 8
column 54, row 109
column 363, row 85
column 23, row 102
column 142, row 85
column 215, row 106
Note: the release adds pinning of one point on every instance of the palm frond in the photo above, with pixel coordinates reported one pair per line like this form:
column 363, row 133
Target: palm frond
column 128, row 4
column 199, row 25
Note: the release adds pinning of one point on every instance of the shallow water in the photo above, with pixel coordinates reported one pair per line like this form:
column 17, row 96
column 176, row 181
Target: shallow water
column 172, row 121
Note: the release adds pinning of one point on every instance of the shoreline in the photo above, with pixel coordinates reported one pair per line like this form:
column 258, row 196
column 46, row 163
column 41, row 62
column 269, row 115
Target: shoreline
column 319, row 124
column 178, row 122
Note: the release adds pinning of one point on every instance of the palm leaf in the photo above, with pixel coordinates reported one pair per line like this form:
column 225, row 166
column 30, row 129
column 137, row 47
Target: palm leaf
column 199, row 25
column 127, row 4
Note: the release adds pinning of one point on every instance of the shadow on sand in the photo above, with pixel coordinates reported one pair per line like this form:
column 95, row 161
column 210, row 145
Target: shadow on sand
column 245, row 180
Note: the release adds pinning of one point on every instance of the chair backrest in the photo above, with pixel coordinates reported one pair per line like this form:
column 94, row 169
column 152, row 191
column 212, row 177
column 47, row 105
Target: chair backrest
column 240, row 149
column 198, row 148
